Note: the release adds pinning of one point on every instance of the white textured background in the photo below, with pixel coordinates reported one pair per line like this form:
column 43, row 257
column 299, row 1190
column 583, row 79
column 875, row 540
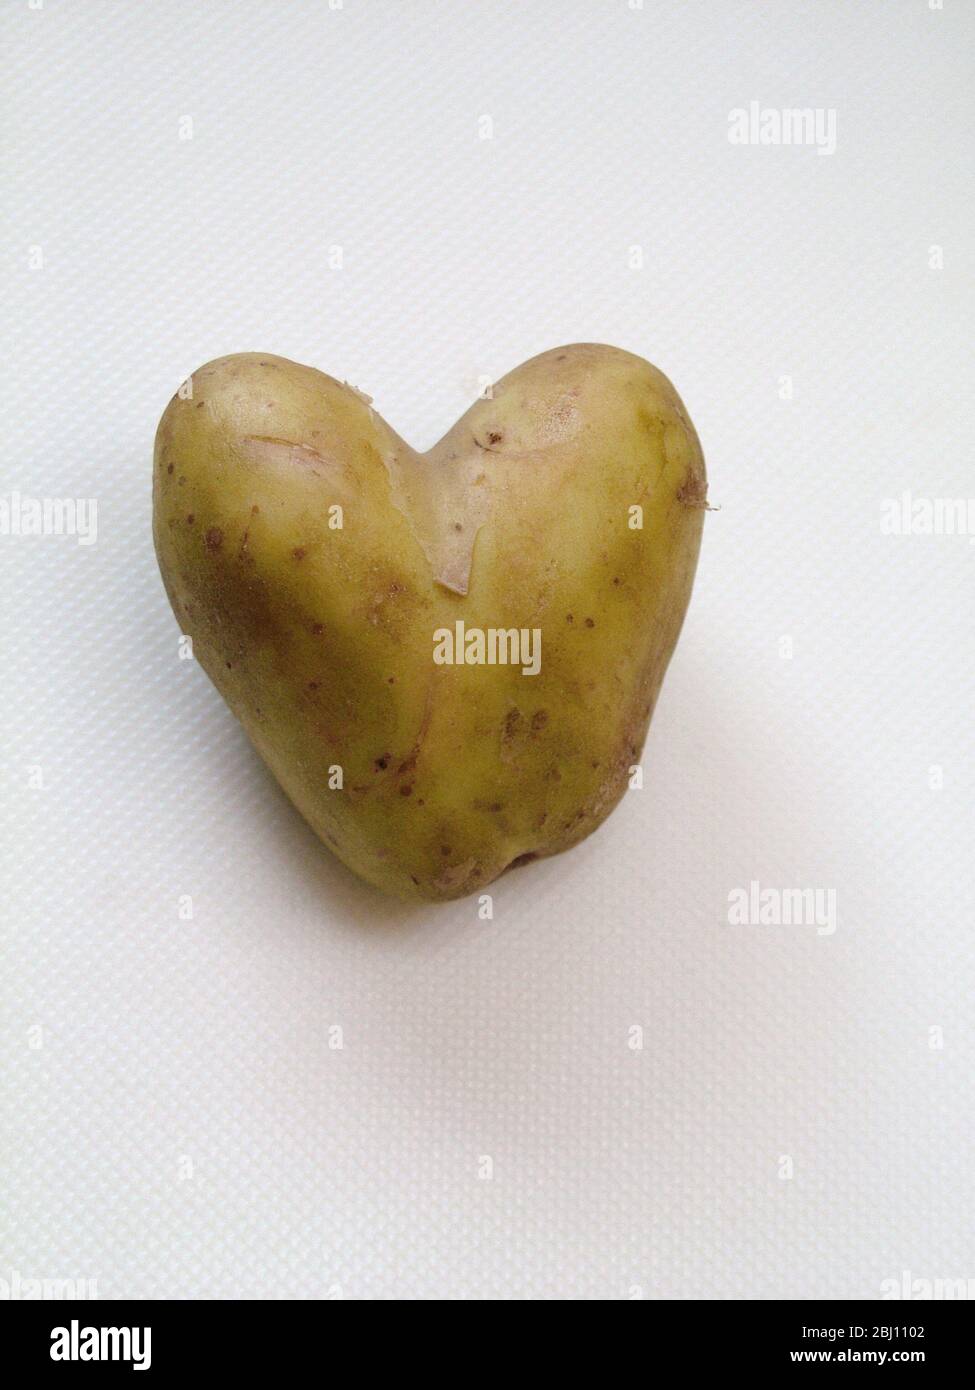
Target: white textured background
column 175, row 1121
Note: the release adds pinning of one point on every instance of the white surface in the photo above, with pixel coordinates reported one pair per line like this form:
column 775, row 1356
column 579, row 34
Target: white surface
column 356, row 1170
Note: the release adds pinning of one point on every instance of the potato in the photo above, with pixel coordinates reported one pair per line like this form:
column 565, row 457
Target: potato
column 448, row 660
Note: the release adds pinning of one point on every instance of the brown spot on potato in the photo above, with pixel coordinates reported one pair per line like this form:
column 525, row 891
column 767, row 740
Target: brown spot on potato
column 590, row 622
column 190, row 519
column 299, row 552
column 523, row 859
column 317, row 629
column 214, row 538
column 170, row 468
column 382, row 763
column 539, row 720
column 694, row 492
column 407, row 790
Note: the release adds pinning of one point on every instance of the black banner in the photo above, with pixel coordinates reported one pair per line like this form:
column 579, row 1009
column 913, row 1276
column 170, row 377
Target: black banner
column 168, row 1339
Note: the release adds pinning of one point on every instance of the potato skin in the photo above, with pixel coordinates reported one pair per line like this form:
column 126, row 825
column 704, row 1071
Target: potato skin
column 320, row 636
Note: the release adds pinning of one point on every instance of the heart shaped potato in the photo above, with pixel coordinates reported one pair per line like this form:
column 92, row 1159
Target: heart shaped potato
column 448, row 660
